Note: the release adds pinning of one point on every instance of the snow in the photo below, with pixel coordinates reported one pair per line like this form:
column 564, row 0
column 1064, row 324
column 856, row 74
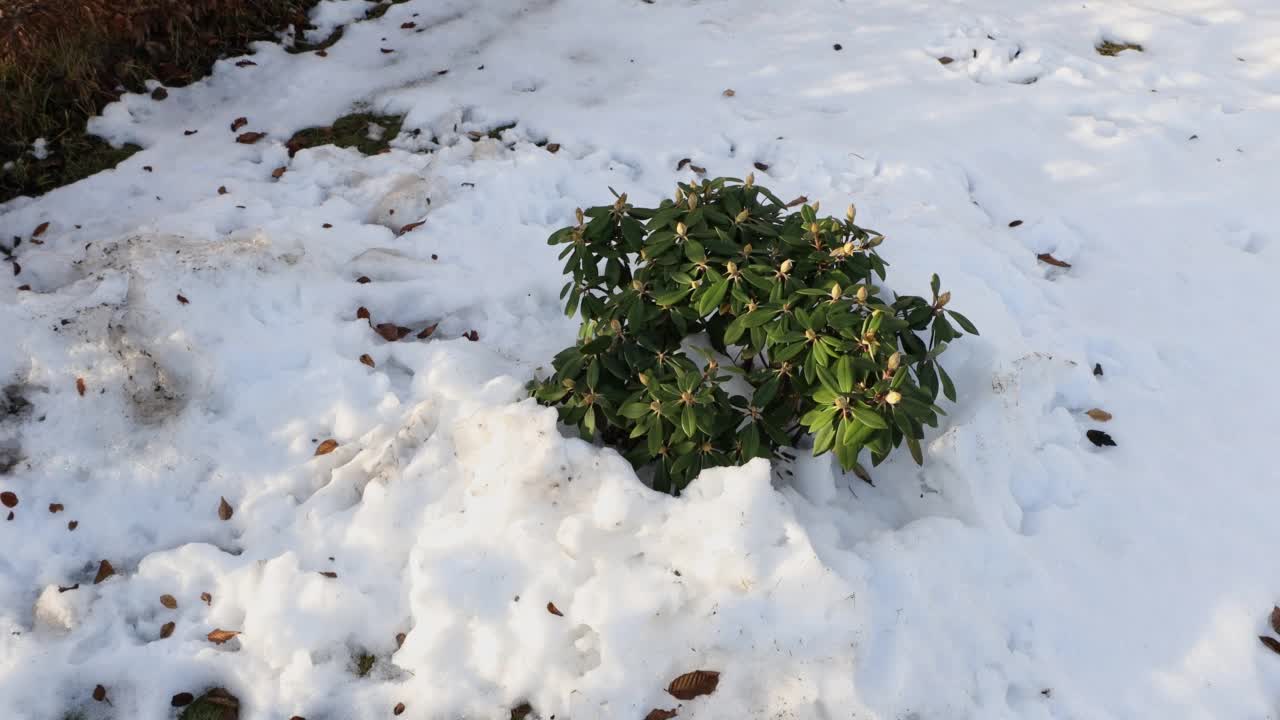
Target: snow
column 1020, row 573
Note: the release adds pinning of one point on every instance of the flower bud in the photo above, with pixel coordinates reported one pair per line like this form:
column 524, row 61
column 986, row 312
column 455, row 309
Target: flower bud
column 786, row 266
column 851, row 213
column 816, row 204
column 813, row 228
column 836, row 292
column 944, row 298
column 578, row 214
column 742, row 216
column 731, row 267
column 693, row 202
column 894, row 360
column 746, row 250
column 875, row 241
column 644, row 379
column 751, row 179
column 681, row 230
column 893, row 397
column 862, row 294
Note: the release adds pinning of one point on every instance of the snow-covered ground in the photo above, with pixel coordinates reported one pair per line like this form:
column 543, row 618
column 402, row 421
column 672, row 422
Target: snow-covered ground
column 1021, row 573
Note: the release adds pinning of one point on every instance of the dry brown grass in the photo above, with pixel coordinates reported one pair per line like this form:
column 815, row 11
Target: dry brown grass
column 61, row 61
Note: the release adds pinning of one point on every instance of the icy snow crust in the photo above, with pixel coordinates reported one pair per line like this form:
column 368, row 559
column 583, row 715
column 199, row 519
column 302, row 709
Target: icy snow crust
column 1021, row 573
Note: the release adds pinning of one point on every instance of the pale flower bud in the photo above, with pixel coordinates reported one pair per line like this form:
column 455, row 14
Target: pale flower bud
column 786, row 266
column 578, row 214
column 894, row 360
column 875, row 241
column 693, row 202
column 944, row 298
column 893, row 397
column 742, row 216
column 836, row 292
column 816, row 204
column 731, row 267
column 862, row 294
column 813, row 228
column 681, row 230
column 751, row 179
column 851, row 213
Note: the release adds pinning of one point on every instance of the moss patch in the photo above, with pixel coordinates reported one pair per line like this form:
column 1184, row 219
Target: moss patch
column 350, row 131
column 1111, row 49
column 364, row 664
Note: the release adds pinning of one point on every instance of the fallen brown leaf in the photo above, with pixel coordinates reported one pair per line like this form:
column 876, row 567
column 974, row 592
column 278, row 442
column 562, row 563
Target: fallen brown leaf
column 80, row 386
column 99, row 693
column 239, row 123
column 104, row 571
column 389, row 331
column 412, row 226
column 473, row 336
column 246, row 63
column 182, row 699
column 220, row 636
column 694, row 684
column 551, row 608
column 683, row 161
column 166, row 630
column 400, row 638
column 1051, row 260
column 225, row 511
column 761, row 166
column 698, row 170
column 329, row 573
column 363, row 280
column 386, row 51
column 1272, row 644
column 399, row 708
column 553, row 147
column 362, row 313
column 222, row 189
column 1099, row 414
column 428, row 331
column 148, row 168
column 1275, row 619
column 798, row 201
column 278, row 172
column 327, row 447
column 190, row 132
column 1015, row 223
column 249, row 138
column 55, row 507
column 656, row 714
column 946, row 60
column 159, row 94
column 169, row 601
column 729, row 93
column 73, row 525
column 68, row 588
column 207, row 598
column 182, row 299
column 326, row 226
column 408, row 26
column 9, row 499
column 367, row 360
column 40, row 229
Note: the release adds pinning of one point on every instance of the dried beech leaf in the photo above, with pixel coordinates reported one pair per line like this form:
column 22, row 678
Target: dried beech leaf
column 363, row 280
column 182, row 299
column 55, row 507
column 656, row 714
column 220, row 636
column 551, row 608
column 1015, row 223
column 400, row 638
column 729, row 93
column 73, row 524
column 1272, row 644
column 408, row 25
column 80, row 386
column 166, row 630
column 222, row 189
column 246, row 63
column 40, row 229
column 761, row 166
column 9, row 499
column 1099, row 414
column 427, row 331
column 99, row 693
column 697, row 169
column 278, row 172
column 694, row 684
column 798, row 201
column 225, row 510
column 182, row 699
column 169, row 601
column 206, row 598
column 249, row 138
column 389, row 331
column 1099, row 438
column 1275, row 619
column 553, row 148
column 239, row 123
column 362, row 313
column 367, row 360
column 946, row 60
column 398, row 709
column 329, row 573
column 327, row 447
column 412, row 226
column 683, row 161
column 104, row 571
column 1051, row 260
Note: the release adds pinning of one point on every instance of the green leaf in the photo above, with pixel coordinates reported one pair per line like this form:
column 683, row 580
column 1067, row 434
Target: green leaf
column 693, row 250
column 823, row 440
column 964, row 322
column 634, row 410
column 735, row 331
column 828, row 379
column 869, row 417
column 948, row 389
column 935, row 284
column 757, row 317
column 688, row 422
column 711, row 299
column 671, row 297
column 844, row 374
column 916, row 454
